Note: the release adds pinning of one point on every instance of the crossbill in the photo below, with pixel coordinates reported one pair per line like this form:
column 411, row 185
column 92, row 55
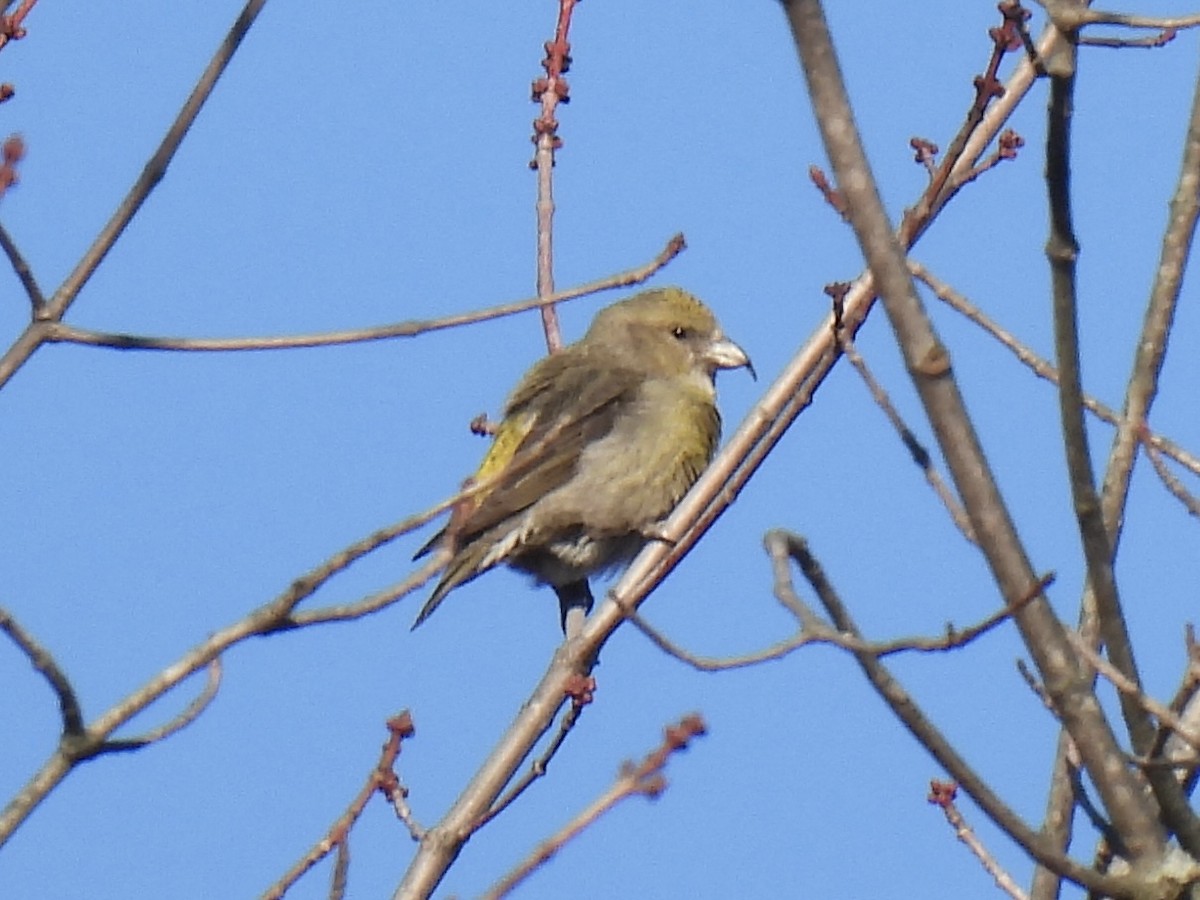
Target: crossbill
column 597, row 445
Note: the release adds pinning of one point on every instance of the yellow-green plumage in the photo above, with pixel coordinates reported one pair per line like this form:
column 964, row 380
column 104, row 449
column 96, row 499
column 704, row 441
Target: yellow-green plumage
column 597, row 444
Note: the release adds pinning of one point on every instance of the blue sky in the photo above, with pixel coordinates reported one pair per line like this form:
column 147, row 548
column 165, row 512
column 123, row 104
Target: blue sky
column 365, row 166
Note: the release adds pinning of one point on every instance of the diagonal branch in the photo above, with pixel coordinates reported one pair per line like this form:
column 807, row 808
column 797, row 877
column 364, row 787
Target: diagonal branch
column 929, row 363
column 156, row 167
column 782, row 547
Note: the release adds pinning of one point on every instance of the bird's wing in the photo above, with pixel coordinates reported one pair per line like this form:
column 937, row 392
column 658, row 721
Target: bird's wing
column 565, row 406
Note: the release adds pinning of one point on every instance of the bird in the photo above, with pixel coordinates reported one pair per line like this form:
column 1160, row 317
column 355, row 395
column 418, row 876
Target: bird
column 597, row 444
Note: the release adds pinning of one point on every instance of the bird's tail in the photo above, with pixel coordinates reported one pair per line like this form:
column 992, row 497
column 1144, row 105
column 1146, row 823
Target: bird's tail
column 465, row 566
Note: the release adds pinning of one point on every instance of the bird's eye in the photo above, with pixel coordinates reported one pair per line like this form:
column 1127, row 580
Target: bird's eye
column 679, row 332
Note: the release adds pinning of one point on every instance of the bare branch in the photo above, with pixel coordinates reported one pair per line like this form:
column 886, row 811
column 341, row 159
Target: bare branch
column 1150, row 42
column 916, row 449
column 61, row 332
column 12, row 27
column 23, row 272
column 1172, row 484
column 1133, row 690
column 56, row 307
column 942, row 794
column 928, row 362
column 1040, row 366
column 1099, row 17
column 181, row 721
column 645, row 779
column 47, row 665
column 156, row 166
column 813, row 630
column 537, row 769
column 383, row 778
column 548, row 92
column 905, row 707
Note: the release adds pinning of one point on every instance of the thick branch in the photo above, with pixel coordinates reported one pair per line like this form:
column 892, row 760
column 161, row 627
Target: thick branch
column 929, row 364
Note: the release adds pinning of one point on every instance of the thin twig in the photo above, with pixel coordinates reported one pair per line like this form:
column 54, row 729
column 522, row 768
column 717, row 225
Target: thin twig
column 813, row 630
column 156, row 166
column 181, row 721
column 45, row 663
column 1072, row 17
column 904, row 706
column 278, row 615
column 548, row 92
column 56, row 307
column 1172, row 484
column 537, row 769
column 382, row 778
column 942, row 794
column 62, row 332
column 645, row 779
column 21, row 267
column 1040, row 366
column 1150, row 42
column 12, row 27
column 918, row 452
column 1131, row 689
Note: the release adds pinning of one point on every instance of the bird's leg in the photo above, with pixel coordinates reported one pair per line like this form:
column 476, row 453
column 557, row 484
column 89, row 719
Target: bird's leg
column 574, row 603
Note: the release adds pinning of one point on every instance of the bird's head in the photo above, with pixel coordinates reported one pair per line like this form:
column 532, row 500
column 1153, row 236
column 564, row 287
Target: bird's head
column 666, row 331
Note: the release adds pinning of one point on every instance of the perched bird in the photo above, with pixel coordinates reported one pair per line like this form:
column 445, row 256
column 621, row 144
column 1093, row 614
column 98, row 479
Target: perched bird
column 598, row 443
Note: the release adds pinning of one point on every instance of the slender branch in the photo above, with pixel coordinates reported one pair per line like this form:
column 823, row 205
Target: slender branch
column 181, row 721
column 1041, row 367
column 36, row 299
column 918, row 452
column 45, row 663
column 62, row 332
column 547, row 92
column 537, row 768
column 1071, row 17
column 341, row 871
column 951, row 175
column 942, row 794
column 56, row 307
column 277, row 615
column 1190, row 502
column 645, row 779
column 1132, row 689
column 1058, row 821
column 156, row 166
column 1098, row 542
column 905, row 707
column 1062, row 250
column 382, row 778
column 1151, row 346
column 1149, row 42
column 812, row 630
